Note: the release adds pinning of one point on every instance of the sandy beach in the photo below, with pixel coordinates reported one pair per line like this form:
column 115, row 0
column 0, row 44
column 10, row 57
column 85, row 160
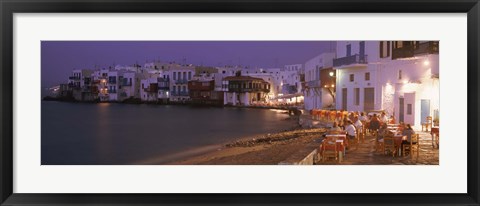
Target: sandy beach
column 269, row 149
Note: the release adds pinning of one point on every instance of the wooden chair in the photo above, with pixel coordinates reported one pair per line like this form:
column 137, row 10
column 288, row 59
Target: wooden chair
column 427, row 123
column 389, row 144
column 361, row 134
column 329, row 148
column 353, row 143
column 413, row 147
column 379, row 144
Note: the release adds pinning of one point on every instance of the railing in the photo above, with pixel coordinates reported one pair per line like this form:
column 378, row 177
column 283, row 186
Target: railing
column 314, row 83
column 181, row 81
column 179, row 93
column 354, row 59
column 430, row 47
column 74, row 78
column 403, row 52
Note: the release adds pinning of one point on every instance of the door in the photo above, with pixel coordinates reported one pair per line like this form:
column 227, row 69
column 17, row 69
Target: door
column 425, row 109
column 409, row 108
column 349, row 50
column 344, row 99
column 369, row 99
column 401, row 109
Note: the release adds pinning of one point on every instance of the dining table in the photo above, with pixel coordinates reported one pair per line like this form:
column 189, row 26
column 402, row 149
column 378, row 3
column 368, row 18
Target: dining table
column 340, row 143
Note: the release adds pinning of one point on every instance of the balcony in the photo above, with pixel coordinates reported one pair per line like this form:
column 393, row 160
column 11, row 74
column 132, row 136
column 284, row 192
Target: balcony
column 430, row 47
column 403, row 52
column 349, row 60
column 313, row 84
column 180, row 93
column 181, row 81
column 409, row 51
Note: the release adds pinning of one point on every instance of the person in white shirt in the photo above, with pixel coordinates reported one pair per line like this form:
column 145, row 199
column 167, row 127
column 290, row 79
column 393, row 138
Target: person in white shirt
column 358, row 124
column 384, row 118
column 350, row 129
column 363, row 117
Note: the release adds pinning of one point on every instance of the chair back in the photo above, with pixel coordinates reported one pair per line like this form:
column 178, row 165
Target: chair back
column 414, row 138
column 429, row 120
column 388, row 139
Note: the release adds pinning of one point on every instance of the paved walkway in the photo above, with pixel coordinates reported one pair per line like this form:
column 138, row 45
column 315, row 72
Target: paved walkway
column 366, row 155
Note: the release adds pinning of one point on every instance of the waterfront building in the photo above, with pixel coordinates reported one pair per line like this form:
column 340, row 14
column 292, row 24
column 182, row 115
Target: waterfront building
column 164, row 88
column 149, row 89
column 100, row 78
column 80, row 85
column 398, row 77
column 114, row 84
column 129, row 86
column 179, row 82
column 245, row 90
column 203, row 92
column 319, row 91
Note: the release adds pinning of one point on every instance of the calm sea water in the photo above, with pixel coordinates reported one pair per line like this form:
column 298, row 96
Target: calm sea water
column 92, row 134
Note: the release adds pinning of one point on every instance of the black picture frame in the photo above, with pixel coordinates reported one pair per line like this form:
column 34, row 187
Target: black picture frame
column 9, row 7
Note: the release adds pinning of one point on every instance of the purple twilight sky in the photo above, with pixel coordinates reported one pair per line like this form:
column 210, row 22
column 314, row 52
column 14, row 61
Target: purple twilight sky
column 59, row 58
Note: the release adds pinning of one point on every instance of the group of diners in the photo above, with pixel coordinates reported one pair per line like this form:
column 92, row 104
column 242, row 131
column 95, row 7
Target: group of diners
column 356, row 125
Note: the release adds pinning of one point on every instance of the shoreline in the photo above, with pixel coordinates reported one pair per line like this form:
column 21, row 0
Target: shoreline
column 294, row 109
column 208, row 150
column 266, row 149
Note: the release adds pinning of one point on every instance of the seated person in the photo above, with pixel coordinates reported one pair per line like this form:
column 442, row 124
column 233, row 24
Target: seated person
column 363, row 117
column 350, row 129
column 358, row 124
column 335, row 128
column 408, row 131
column 382, row 132
column 374, row 123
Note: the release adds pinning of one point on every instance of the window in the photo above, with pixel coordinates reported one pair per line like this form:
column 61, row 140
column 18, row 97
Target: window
column 384, row 49
column 357, row 96
column 349, row 50
column 352, row 77
column 189, row 75
column 409, row 108
column 174, row 75
column 367, row 76
column 399, row 74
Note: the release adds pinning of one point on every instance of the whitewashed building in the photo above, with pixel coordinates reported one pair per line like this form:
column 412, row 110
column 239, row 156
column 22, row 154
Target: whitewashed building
column 318, row 94
column 114, row 84
column 179, row 83
column 398, row 77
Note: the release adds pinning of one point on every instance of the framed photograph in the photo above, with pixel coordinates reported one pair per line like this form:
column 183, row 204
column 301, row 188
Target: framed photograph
column 236, row 102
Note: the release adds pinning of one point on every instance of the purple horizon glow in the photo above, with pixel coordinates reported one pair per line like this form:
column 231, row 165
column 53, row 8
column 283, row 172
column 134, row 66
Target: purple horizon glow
column 59, row 58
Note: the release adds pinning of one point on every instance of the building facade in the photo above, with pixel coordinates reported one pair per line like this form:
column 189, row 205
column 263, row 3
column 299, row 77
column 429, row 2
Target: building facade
column 398, row 77
column 318, row 94
column 245, row 90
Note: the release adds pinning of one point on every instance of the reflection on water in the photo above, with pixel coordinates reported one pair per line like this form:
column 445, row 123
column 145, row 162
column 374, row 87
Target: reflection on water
column 105, row 133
